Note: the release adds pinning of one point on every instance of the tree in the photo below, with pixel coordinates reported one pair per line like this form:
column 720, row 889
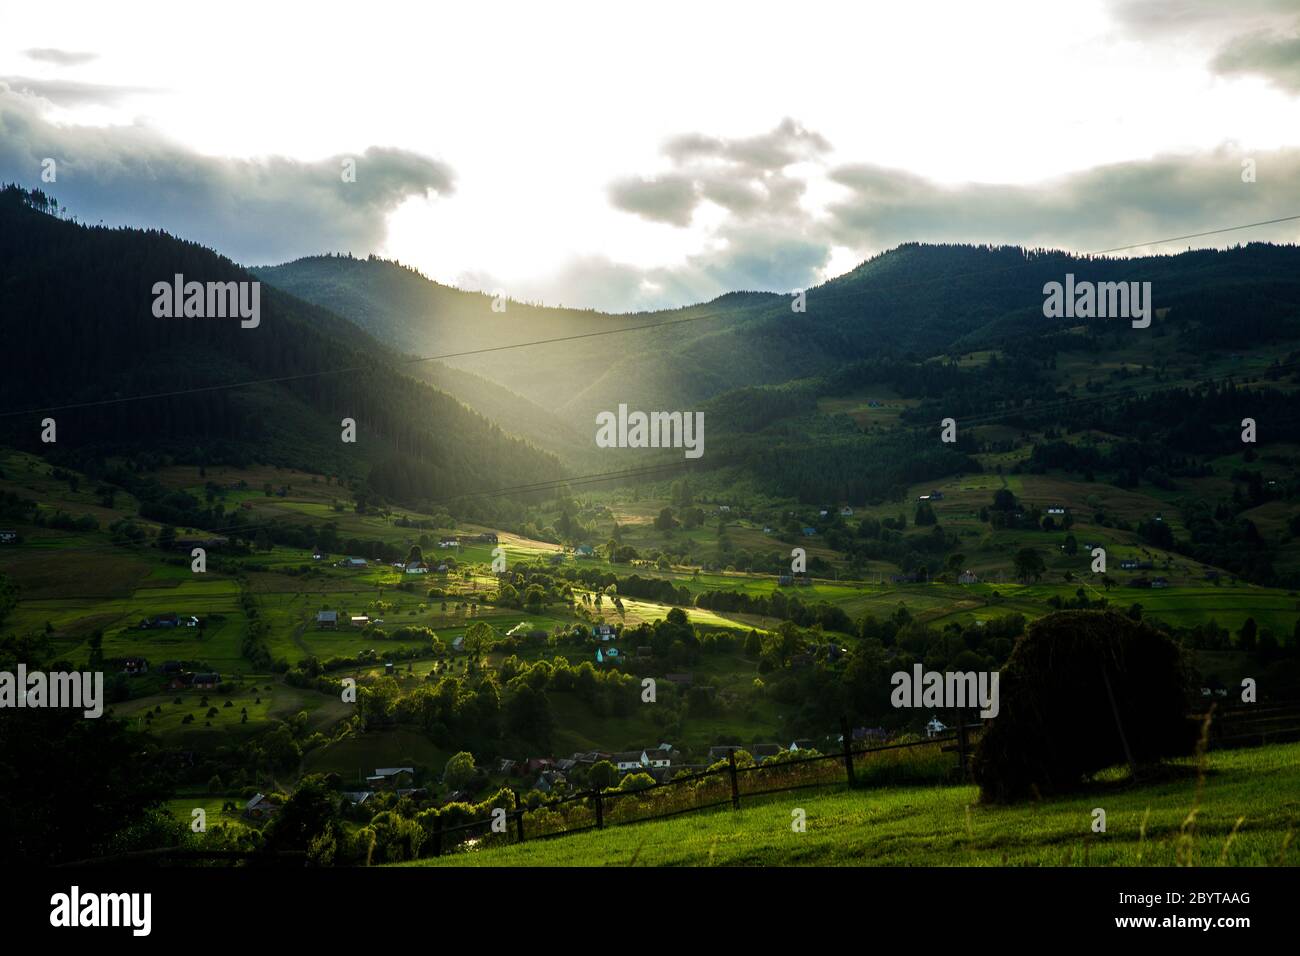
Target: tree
column 166, row 537
column 1071, row 545
column 311, row 811
column 924, row 515
column 665, row 521
column 415, row 555
column 1029, row 564
column 602, row 774
column 1004, row 500
column 528, row 715
column 1246, row 637
column 479, row 637
column 459, row 771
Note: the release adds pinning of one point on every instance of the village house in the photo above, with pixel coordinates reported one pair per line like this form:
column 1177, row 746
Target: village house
column 390, row 778
column 354, row 563
column 360, row 620
column 633, row 760
column 259, row 808
column 135, row 665
column 168, row 620
column 935, row 727
column 327, row 620
column 761, row 752
column 206, row 681
column 8, row 537
column 967, row 577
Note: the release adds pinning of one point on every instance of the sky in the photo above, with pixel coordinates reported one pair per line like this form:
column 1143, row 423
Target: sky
column 626, row 157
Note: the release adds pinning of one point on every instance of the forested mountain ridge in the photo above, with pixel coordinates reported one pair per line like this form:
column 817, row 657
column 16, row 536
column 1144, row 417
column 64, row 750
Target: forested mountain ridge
column 80, row 331
column 912, row 302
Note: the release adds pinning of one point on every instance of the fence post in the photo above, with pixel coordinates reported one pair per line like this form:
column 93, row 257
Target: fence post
column 735, row 784
column 437, row 835
column 600, row 808
column 519, row 816
column 961, row 745
column 847, row 733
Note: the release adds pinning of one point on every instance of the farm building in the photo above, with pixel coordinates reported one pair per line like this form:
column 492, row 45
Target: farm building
column 259, row 808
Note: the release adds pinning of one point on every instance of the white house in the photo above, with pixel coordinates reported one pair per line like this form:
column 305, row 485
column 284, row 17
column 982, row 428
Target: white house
column 934, row 728
column 967, row 577
column 642, row 760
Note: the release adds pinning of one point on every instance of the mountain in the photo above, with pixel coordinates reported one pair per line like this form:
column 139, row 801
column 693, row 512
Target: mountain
column 913, row 302
column 84, row 347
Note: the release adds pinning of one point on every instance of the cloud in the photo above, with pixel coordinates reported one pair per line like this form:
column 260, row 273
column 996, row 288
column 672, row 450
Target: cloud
column 669, row 199
column 745, row 176
column 255, row 211
column 1092, row 210
column 775, row 244
column 72, row 93
column 1249, row 37
column 1266, row 54
column 59, row 57
column 787, row 144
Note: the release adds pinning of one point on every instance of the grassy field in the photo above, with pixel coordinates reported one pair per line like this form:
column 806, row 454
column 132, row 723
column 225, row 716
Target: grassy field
column 1237, row 820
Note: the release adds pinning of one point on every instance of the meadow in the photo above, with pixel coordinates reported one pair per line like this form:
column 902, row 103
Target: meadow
column 1242, row 811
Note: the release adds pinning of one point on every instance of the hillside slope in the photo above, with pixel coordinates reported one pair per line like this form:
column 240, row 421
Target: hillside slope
column 85, row 348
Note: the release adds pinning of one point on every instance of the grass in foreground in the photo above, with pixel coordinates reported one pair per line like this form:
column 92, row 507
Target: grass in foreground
column 1247, row 815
